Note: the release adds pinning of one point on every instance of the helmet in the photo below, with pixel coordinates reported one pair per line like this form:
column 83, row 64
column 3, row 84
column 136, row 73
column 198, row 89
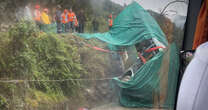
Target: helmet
column 37, row 6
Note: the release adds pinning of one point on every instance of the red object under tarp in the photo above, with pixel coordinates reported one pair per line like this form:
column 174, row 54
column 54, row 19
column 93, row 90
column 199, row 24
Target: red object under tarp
column 154, row 48
column 142, row 58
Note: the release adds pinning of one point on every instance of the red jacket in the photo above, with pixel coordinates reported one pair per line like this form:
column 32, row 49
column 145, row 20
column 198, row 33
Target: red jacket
column 37, row 15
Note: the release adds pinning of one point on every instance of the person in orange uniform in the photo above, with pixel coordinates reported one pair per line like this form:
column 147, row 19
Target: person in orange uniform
column 37, row 16
column 110, row 21
column 65, row 21
column 72, row 17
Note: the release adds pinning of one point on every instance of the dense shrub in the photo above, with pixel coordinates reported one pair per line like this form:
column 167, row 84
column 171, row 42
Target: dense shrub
column 33, row 55
column 28, row 54
column 3, row 103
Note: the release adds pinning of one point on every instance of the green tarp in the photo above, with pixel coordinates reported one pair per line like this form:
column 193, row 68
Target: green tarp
column 131, row 26
column 154, row 84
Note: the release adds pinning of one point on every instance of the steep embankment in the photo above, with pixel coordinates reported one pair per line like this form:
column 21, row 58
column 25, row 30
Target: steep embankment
column 36, row 60
column 26, row 54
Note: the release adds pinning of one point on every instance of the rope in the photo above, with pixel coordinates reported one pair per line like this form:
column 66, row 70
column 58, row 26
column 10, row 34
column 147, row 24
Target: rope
column 98, row 49
column 109, row 51
column 61, row 80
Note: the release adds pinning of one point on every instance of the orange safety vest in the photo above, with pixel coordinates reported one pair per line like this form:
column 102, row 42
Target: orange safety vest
column 37, row 15
column 110, row 22
column 71, row 16
column 64, row 18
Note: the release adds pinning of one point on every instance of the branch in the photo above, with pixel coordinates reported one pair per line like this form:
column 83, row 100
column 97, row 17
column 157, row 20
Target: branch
column 170, row 3
column 171, row 11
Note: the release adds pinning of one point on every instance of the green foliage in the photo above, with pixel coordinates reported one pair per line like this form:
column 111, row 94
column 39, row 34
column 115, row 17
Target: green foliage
column 3, row 103
column 40, row 100
column 28, row 54
column 33, row 55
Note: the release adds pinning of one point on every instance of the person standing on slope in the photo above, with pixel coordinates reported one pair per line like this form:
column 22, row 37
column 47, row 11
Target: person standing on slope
column 110, row 21
column 37, row 16
column 45, row 20
column 58, row 19
column 65, row 21
column 71, row 16
column 45, row 17
column 81, row 19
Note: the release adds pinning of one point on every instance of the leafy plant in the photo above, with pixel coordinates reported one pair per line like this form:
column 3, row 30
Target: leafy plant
column 3, row 103
column 32, row 55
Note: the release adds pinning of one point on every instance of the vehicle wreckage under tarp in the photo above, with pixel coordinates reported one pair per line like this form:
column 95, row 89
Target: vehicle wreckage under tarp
column 153, row 83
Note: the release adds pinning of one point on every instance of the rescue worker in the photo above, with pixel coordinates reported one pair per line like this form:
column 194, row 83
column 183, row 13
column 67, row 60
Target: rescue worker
column 37, row 16
column 71, row 16
column 27, row 13
column 45, row 17
column 45, row 20
column 65, row 21
column 81, row 20
column 110, row 21
column 58, row 19
column 95, row 24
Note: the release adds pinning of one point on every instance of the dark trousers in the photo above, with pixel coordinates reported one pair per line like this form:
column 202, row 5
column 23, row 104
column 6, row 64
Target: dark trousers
column 71, row 26
column 67, row 28
column 64, row 27
column 95, row 29
column 81, row 27
column 58, row 27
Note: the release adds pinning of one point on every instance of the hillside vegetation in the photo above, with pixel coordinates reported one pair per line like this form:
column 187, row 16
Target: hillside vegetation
column 27, row 54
